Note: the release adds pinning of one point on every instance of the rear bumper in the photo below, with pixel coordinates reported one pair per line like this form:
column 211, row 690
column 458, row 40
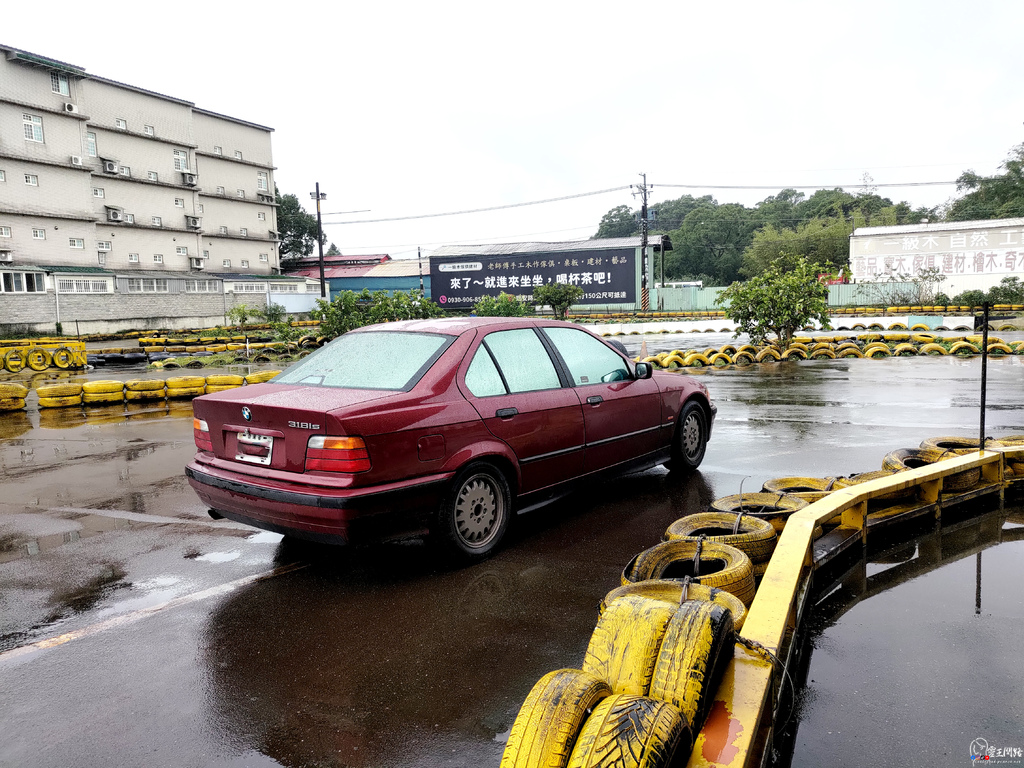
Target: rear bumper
column 334, row 516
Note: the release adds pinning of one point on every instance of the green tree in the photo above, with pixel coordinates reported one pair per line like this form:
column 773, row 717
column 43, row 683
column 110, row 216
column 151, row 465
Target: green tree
column 991, row 197
column 241, row 314
column 332, row 251
column 779, row 301
column 558, row 296
column 823, row 241
column 711, row 241
column 618, row 222
column 351, row 310
column 503, row 305
column 273, row 313
column 296, row 228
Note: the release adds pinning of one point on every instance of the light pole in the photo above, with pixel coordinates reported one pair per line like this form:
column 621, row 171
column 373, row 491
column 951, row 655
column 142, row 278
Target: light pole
column 318, row 196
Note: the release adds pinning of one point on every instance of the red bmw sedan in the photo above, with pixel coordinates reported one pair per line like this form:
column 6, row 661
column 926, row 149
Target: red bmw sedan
column 441, row 427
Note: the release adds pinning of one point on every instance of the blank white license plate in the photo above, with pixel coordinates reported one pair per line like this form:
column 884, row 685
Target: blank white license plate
column 255, row 449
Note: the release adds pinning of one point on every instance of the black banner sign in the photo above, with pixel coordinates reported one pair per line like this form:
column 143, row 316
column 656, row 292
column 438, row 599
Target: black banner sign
column 606, row 276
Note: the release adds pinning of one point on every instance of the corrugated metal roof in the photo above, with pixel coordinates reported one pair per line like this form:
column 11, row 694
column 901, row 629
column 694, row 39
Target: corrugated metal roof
column 502, row 249
column 399, row 268
column 942, row 226
column 65, row 270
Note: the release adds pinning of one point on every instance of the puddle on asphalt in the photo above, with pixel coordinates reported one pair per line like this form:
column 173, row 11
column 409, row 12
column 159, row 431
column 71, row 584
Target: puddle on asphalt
column 265, row 537
column 219, row 557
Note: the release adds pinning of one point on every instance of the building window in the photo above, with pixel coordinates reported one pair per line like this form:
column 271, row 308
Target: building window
column 223, row 230
column 133, row 258
column 180, row 160
column 98, row 192
column 146, row 285
column 157, row 221
column 23, row 282
column 3, row 176
column 76, row 242
column 31, row 179
column 199, row 208
column 284, row 287
column 226, row 263
column 6, row 232
column 220, row 190
column 238, row 154
column 126, row 170
column 245, row 262
column 59, row 83
column 101, row 259
column 218, row 150
column 200, row 286
column 103, row 245
column 206, row 254
column 261, row 181
column 181, row 250
column 33, row 127
column 120, row 124
column 179, row 202
column 152, row 175
column 70, row 285
column 264, row 257
column 261, row 216
column 241, row 193
column 90, row 144
column 158, row 258
column 243, row 232
column 250, row 288
column 38, row 234
column 130, row 218
column 148, row 130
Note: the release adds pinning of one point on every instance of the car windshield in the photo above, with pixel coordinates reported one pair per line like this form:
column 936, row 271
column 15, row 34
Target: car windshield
column 369, row 360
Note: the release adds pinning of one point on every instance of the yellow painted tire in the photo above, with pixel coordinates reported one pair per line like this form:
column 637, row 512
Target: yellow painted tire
column 144, row 385
column 720, row 358
column 696, row 358
column 874, row 351
column 796, row 351
column 10, row 389
column 1000, row 347
column 12, row 403
column 755, row 538
column 185, row 382
column 768, row 353
column 964, row 346
column 850, row 352
column 674, row 559
column 38, row 359
column 59, row 390
column 63, row 358
column 911, row 458
column 823, row 353
column 97, row 398
column 931, row 349
column 631, row 732
column 698, row 644
column 551, row 719
column 863, row 477
column 807, row 488
column 145, row 394
column 773, row 507
column 14, row 360
column 743, row 358
column 906, row 348
column 924, row 338
column 670, row 591
column 103, row 386
column 624, row 645
column 223, row 388
column 185, row 392
column 63, row 401
column 260, row 376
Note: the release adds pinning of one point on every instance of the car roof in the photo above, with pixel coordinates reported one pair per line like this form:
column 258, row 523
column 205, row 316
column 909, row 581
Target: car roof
column 455, row 326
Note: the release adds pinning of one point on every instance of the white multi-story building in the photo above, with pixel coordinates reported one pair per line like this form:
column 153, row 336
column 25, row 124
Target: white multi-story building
column 109, row 188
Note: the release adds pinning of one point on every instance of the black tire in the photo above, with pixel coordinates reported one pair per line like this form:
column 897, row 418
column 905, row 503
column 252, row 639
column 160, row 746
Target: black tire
column 690, row 440
column 619, row 346
column 475, row 514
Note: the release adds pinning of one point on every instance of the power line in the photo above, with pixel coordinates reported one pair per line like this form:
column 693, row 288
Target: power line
column 808, row 186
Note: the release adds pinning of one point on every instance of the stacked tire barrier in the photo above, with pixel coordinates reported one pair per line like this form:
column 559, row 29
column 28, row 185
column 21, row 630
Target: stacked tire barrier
column 114, row 392
column 867, row 345
column 663, row 638
column 41, row 355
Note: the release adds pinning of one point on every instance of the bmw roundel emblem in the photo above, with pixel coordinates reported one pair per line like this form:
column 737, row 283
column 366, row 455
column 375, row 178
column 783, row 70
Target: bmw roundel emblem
column 246, row 414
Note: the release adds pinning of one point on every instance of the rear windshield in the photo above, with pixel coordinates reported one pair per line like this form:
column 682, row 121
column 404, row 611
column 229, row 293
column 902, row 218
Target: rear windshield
column 370, row 360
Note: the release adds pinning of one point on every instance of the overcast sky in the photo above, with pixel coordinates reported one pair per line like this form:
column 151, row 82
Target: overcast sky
column 410, row 108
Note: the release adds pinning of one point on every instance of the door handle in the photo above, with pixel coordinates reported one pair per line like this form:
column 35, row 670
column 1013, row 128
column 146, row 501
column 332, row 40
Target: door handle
column 595, row 400
column 506, row 413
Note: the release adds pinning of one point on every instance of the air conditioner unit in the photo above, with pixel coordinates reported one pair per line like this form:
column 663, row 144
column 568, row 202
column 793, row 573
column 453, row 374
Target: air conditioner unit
column 197, row 263
column 189, row 179
column 6, row 257
column 110, row 166
column 113, row 214
column 70, row 108
column 193, row 222
column 76, row 159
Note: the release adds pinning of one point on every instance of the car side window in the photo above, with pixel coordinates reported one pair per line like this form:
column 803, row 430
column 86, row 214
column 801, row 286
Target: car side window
column 482, row 377
column 589, row 361
column 523, row 360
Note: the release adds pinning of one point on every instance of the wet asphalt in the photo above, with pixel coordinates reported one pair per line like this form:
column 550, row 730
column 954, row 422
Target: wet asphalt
column 135, row 630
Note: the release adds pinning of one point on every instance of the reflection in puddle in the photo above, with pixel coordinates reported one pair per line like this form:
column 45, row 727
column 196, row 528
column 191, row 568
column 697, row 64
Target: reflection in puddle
column 265, row 537
column 219, row 557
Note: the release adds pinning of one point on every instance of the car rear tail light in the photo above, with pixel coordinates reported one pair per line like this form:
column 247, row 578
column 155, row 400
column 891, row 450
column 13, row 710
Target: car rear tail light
column 336, row 454
column 201, row 433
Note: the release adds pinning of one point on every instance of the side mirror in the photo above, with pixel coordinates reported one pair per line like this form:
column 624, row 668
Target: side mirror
column 643, row 371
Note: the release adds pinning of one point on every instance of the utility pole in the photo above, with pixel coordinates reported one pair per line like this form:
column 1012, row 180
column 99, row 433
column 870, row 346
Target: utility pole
column 419, row 261
column 645, row 294
column 318, row 196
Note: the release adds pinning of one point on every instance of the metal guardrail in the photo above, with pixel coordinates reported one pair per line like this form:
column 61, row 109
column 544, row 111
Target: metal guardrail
column 739, row 728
